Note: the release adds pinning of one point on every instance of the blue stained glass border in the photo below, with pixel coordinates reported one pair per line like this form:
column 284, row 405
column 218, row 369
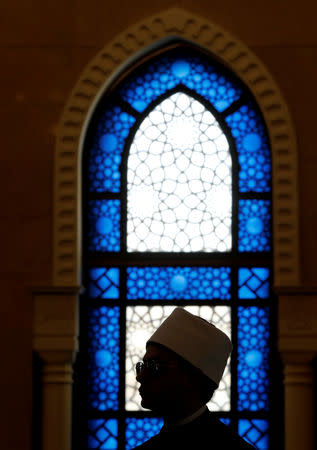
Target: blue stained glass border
column 166, row 72
column 105, row 153
column 254, row 226
column 103, row 358
column 253, row 358
column 248, row 130
column 140, row 430
column 225, row 420
column 173, row 283
column 104, row 225
column 102, row 434
column 104, row 282
column 255, row 431
column 253, row 282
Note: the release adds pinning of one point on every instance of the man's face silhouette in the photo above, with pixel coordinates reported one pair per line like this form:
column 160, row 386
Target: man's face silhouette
column 163, row 381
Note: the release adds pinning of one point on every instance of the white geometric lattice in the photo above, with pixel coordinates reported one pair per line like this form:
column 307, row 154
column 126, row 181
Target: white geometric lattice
column 179, row 181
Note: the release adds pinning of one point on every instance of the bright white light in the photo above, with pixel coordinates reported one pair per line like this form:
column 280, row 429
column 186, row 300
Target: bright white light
column 183, row 132
column 219, row 201
column 143, row 202
column 139, row 337
column 179, row 169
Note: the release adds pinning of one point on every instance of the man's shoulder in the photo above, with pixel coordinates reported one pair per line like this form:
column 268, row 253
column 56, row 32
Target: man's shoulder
column 223, row 433
column 203, row 433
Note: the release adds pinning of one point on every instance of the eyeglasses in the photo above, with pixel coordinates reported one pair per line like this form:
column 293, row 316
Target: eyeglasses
column 154, row 367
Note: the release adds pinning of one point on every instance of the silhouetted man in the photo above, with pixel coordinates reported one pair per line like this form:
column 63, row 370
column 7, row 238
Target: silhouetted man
column 184, row 361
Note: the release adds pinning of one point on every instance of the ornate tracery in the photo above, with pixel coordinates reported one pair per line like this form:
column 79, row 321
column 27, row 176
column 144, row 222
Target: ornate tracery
column 178, row 167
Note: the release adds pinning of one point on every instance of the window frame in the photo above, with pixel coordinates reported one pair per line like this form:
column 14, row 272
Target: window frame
column 124, row 259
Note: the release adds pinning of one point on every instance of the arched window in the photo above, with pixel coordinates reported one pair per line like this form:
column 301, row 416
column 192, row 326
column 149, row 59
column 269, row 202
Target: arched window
column 177, row 211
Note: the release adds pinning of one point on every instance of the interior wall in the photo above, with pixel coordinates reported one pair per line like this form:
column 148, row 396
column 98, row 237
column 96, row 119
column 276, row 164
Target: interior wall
column 44, row 48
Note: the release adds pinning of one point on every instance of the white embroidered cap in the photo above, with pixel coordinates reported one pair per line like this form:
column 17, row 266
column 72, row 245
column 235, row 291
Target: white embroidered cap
column 196, row 340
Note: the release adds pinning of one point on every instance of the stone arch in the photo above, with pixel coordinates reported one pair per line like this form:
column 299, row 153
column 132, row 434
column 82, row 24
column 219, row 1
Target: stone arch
column 107, row 65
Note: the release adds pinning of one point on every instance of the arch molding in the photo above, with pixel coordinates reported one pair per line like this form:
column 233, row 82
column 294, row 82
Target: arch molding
column 107, row 64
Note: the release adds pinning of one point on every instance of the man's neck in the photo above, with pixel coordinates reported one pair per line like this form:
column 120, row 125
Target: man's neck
column 173, row 421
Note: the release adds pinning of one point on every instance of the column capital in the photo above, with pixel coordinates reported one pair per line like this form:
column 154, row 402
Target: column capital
column 297, row 323
column 55, row 322
column 295, row 358
column 55, row 332
column 297, row 343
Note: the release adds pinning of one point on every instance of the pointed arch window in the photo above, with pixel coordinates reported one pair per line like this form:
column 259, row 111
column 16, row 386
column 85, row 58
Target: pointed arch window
column 177, row 212
column 179, row 180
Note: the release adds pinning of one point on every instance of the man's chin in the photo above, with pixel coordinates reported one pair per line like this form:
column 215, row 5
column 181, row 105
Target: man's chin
column 147, row 404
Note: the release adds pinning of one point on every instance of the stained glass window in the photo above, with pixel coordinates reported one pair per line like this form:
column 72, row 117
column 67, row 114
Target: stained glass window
column 104, row 282
column 253, row 151
column 103, row 361
column 179, row 180
column 190, row 70
column 255, row 431
column 254, row 282
column 106, row 150
column 177, row 211
column 253, row 357
column 140, row 430
column 103, row 434
column 104, row 229
column 254, row 226
column 172, row 283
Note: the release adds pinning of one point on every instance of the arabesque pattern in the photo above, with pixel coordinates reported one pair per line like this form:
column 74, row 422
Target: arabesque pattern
column 140, row 430
column 193, row 72
column 174, row 283
column 179, row 181
column 253, row 358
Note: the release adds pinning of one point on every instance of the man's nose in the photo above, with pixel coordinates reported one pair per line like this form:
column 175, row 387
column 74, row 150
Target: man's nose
column 141, row 375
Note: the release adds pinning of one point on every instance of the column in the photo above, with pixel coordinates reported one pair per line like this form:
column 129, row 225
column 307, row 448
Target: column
column 55, row 332
column 57, row 382
column 297, row 341
column 299, row 401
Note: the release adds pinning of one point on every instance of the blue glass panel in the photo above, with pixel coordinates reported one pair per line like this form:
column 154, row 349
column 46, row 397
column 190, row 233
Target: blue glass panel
column 252, row 143
column 140, row 430
column 104, row 225
column 106, row 150
column 103, row 361
column 255, row 431
column 166, row 72
column 103, row 283
column 254, row 282
column 102, row 434
column 225, row 420
column 254, row 226
column 172, row 283
column 253, row 354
